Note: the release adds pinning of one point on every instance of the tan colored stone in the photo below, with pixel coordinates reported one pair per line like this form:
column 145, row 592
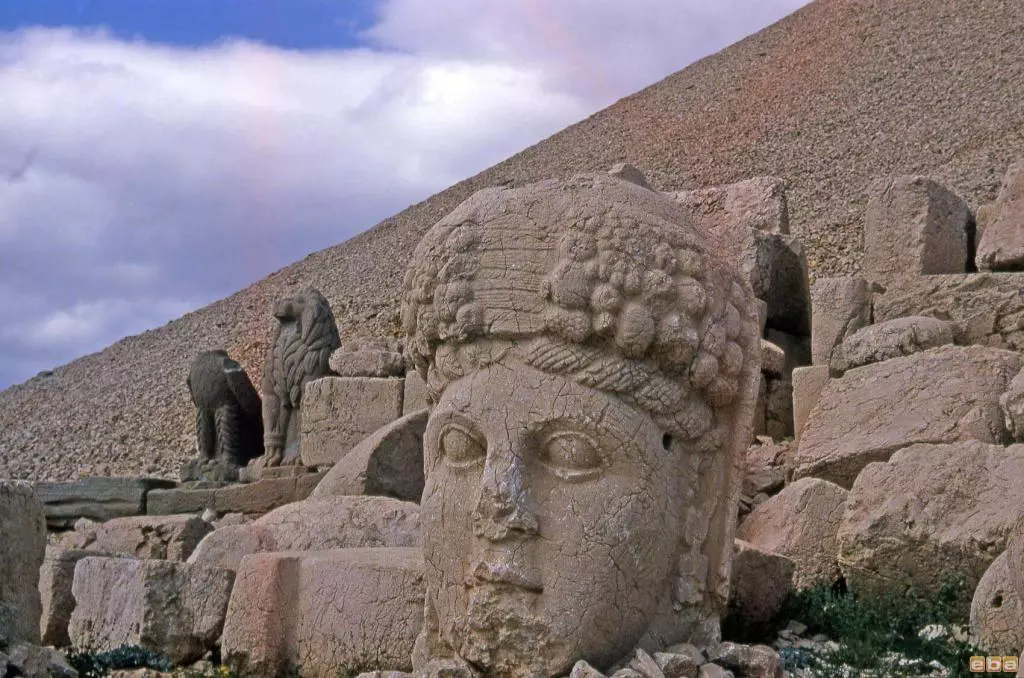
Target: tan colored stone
column 753, row 661
column 168, row 607
column 627, row 172
column 760, row 584
column 933, row 513
column 1002, row 242
column 329, row 612
column 913, row 226
column 255, row 498
column 773, row 359
column 1012, row 403
column 22, row 548
column 56, row 578
column 681, row 663
column 765, row 469
column 942, row 395
column 997, row 612
column 387, row 463
column 415, row 398
column 800, row 523
column 797, row 349
column 840, row 306
column 808, row 383
column 166, row 537
column 96, row 499
column 315, row 525
column 367, row 361
column 338, row 412
column 890, row 339
column 593, row 404
column 710, row 670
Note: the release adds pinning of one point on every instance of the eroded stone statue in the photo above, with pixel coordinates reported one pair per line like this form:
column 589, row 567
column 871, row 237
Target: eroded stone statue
column 301, row 348
column 594, row 370
column 229, row 428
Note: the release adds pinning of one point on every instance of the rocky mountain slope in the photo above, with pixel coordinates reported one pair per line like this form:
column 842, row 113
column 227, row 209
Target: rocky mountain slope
column 838, row 93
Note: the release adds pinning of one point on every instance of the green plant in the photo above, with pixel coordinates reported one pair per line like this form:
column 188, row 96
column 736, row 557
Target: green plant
column 92, row 664
column 883, row 633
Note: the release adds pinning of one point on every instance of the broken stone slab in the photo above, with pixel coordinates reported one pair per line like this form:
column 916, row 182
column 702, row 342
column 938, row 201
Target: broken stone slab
column 747, row 660
column 172, row 537
column 760, row 584
column 997, row 610
column 32, row 661
column 367, row 360
column 96, row 499
column 338, row 412
column 414, row 398
column 808, row 383
column 757, row 204
column 22, row 548
column 840, row 306
column 56, row 577
column 913, row 226
column 931, row 514
column 315, row 525
column 1001, row 247
column 341, row 608
column 773, row 359
column 890, row 339
column 173, row 608
column 942, row 395
column 765, row 467
column 254, row 498
column 801, row 523
column 986, row 308
column 388, row 463
column 1012, row 403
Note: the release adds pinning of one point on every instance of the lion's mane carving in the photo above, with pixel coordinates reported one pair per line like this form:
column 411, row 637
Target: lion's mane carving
column 228, row 425
column 299, row 352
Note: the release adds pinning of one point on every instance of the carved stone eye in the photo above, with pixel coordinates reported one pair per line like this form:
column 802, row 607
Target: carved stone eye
column 572, row 456
column 460, row 448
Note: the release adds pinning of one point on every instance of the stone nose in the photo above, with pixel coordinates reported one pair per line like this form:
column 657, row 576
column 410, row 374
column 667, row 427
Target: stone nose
column 503, row 509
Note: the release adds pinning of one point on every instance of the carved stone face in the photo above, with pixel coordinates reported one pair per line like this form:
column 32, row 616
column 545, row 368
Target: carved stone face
column 551, row 516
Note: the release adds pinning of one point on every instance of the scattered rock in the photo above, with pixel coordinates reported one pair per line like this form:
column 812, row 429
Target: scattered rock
column 753, row 661
column 758, row 588
column 164, row 537
column 888, row 340
column 841, row 306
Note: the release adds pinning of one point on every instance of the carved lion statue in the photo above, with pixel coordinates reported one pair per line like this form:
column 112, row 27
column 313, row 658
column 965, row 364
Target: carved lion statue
column 299, row 352
column 228, row 423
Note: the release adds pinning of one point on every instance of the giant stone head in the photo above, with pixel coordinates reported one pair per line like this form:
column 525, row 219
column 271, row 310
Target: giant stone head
column 593, row 367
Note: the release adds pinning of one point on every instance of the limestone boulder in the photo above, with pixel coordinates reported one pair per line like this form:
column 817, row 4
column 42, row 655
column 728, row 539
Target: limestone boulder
column 808, row 383
column 840, row 306
column 388, row 463
column 755, row 661
column 338, row 412
column 331, row 612
column 56, row 578
column 913, row 226
column 414, row 398
column 171, row 537
column 997, row 611
column 773, row 359
column 930, row 515
column 1012, row 403
column 801, row 523
column 760, row 583
column 1002, row 242
column 169, row 607
column 315, row 525
column 888, row 340
column 22, row 548
column 942, row 395
column 367, row 358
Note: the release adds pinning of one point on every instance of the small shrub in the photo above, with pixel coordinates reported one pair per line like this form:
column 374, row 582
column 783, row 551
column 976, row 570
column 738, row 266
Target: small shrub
column 91, row 664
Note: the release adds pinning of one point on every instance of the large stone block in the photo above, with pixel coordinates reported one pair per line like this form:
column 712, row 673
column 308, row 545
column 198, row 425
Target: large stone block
column 840, row 306
column 173, row 608
column 1002, row 243
column 808, row 383
column 332, row 613
column 96, row 499
column 388, row 463
column 890, row 339
column 315, row 525
column 338, row 412
column 56, row 577
column 986, row 308
column 930, row 515
column 913, row 226
column 171, row 537
column 997, row 610
column 801, row 523
column 22, row 548
column 943, row 395
column 415, row 398
column 252, row 499
column 761, row 582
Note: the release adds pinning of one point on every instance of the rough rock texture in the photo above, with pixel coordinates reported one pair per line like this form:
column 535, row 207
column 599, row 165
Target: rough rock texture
column 388, row 463
column 758, row 661
column 367, row 359
column 942, row 395
column 22, row 548
column 96, row 498
column 931, row 514
column 56, row 577
column 338, row 412
column 914, row 226
column 254, row 498
column 986, row 308
column 315, row 525
column 828, row 99
column 1012, row 402
column 171, row 537
column 997, row 610
column 1002, row 244
column 329, row 612
column 173, row 608
column 839, row 306
column 415, row 396
column 888, row 340
column 760, row 584
column 808, row 383
column 800, row 523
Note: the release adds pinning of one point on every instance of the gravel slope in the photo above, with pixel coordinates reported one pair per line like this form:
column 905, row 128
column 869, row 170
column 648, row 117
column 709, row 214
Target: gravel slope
column 828, row 98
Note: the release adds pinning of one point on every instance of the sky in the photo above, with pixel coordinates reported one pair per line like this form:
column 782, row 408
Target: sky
column 158, row 155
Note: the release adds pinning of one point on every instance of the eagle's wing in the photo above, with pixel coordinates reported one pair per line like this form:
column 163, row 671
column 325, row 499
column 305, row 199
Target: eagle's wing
column 242, row 388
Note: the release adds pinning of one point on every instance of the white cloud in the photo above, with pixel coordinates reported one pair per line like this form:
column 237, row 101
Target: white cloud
column 134, row 176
